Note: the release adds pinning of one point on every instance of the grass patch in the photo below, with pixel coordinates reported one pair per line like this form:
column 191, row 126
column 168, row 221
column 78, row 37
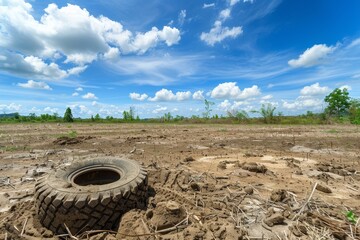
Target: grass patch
column 332, row 131
column 12, row 148
column 71, row 134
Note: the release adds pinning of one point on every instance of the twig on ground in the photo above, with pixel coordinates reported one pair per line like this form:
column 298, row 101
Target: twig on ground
column 115, row 232
column 171, row 229
column 21, row 197
column 16, row 228
column 23, row 229
column 70, row 234
column 351, row 232
column 222, row 177
column 147, row 230
column 198, row 219
column 307, row 201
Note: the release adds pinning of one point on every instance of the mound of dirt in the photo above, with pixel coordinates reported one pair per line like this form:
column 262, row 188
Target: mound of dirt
column 254, row 167
column 71, row 140
column 166, row 215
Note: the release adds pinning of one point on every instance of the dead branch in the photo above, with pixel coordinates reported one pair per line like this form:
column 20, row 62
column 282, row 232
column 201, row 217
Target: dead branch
column 307, row 201
column 70, row 234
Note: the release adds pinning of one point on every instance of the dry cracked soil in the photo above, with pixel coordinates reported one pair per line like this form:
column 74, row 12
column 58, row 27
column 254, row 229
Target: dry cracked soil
column 206, row 181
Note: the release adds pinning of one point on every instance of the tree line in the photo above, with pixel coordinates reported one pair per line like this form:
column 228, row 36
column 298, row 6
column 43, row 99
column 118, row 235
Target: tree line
column 340, row 108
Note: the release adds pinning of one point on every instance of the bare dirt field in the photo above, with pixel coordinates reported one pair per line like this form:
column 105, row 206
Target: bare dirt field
column 224, row 181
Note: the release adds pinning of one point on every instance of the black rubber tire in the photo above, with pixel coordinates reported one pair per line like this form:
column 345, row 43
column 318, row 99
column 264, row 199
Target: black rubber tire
column 59, row 200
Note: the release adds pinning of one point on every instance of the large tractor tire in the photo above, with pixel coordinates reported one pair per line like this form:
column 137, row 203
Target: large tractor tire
column 90, row 195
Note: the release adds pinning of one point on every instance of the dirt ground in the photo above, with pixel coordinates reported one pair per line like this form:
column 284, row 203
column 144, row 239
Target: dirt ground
column 224, row 181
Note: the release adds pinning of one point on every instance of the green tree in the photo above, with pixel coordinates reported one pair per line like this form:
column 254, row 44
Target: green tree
column 109, row 118
column 32, row 116
column 208, row 109
column 129, row 115
column 17, row 116
column 338, row 102
column 179, row 118
column 132, row 113
column 68, row 117
column 97, row 117
column 354, row 111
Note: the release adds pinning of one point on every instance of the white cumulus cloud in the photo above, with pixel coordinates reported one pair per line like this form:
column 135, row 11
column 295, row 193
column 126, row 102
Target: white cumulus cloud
column 79, row 89
column 232, row 91
column 312, row 56
column 159, row 110
column 31, row 67
column 138, row 97
column 10, row 107
column 225, row 14
column 35, row 85
column 225, row 105
column 267, row 97
column 198, row 95
column 89, row 95
column 79, row 109
column 112, row 53
column 218, row 33
column 304, row 102
column 34, row 44
column 168, row 95
column 314, row 89
column 75, row 94
column 51, row 110
column 233, row 2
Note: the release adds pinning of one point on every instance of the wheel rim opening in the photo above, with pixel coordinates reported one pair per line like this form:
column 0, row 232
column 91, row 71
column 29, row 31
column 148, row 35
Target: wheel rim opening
column 96, row 177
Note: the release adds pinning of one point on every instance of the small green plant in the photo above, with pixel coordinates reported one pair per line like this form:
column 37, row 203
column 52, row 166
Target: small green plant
column 12, row 148
column 351, row 217
column 208, row 108
column 72, row 134
column 267, row 112
column 332, row 131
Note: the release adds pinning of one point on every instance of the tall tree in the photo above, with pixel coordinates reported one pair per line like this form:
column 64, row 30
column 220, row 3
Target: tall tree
column 338, row 102
column 68, row 117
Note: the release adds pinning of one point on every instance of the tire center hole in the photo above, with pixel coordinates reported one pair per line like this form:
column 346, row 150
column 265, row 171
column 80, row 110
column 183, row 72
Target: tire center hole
column 96, row 177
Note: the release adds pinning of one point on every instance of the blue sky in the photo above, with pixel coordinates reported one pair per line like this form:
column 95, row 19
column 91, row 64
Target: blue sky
column 159, row 56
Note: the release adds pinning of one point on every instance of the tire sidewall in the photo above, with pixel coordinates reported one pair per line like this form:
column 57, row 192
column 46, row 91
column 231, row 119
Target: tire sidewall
column 62, row 179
